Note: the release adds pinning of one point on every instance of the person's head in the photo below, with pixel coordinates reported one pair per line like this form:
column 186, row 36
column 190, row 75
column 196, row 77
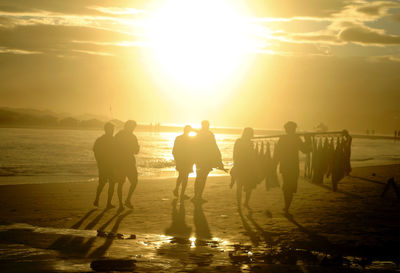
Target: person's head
column 187, row 129
column 290, row 127
column 205, row 125
column 109, row 128
column 248, row 133
column 130, row 125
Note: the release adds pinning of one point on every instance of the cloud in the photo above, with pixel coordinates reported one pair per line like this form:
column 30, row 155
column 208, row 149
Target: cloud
column 315, row 37
column 364, row 35
column 66, row 7
column 50, row 39
column 99, row 53
column 295, row 8
column 377, row 8
column 385, row 58
column 117, row 10
column 4, row 50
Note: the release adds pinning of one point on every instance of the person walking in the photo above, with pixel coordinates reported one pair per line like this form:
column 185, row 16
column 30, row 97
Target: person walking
column 207, row 157
column 184, row 160
column 103, row 149
column 245, row 171
column 286, row 154
column 126, row 147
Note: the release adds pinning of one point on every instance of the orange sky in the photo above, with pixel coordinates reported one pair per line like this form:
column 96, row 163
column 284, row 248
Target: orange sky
column 265, row 62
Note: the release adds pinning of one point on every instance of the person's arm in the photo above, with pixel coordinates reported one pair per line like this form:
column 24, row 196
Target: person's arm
column 136, row 147
column 175, row 149
column 218, row 153
column 235, row 151
column 96, row 149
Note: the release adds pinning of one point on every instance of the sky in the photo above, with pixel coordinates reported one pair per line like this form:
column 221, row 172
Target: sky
column 237, row 63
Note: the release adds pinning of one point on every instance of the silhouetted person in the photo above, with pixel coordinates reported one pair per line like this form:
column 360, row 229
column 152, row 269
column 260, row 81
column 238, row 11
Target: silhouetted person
column 346, row 143
column 207, row 157
column 126, row 147
column 103, row 149
column 245, row 171
column 395, row 135
column 287, row 155
column 183, row 152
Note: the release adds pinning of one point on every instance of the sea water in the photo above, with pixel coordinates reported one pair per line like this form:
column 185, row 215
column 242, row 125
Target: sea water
column 51, row 156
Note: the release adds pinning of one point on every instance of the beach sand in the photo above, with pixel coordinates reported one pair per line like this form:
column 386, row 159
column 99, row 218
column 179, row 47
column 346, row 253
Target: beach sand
column 53, row 227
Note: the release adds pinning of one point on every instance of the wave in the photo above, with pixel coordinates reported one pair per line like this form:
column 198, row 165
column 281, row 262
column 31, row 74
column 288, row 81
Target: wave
column 156, row 163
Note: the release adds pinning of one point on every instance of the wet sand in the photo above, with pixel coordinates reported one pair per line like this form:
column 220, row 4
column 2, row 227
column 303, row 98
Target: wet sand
column 54, row 227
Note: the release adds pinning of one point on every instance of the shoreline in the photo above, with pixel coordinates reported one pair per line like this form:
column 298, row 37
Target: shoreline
column 94, row 179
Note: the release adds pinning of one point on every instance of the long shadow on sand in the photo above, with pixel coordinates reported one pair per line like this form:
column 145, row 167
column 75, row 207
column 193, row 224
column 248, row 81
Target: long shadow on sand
column 80, row 246
column 178, row 228
column 255, row 240
column 368, row 180
column 318, row 242
column 101, row 250
column 349, row 194
column 202, row 229
column 80, row 222
column 268, row 236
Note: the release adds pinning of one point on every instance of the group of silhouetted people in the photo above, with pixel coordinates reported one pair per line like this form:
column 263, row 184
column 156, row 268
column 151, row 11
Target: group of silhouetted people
column 115, row 156
column 202, row 150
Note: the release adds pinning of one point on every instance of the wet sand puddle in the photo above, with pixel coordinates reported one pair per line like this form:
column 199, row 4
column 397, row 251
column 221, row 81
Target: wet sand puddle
column 73, row 250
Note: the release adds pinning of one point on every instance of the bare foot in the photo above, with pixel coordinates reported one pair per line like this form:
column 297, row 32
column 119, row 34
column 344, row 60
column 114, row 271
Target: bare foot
column 128, row 205
column 110, row 206
column 184, row 197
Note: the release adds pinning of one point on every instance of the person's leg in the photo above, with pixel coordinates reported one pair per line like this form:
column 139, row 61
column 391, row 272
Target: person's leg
column 202, row 183
column 102, row 183
column 111, row 186
column 178, row 183
column 247, row 199
column 288, row 196
column 133, row 179
column 239, row 194
column 120, row 180
column 184, row 181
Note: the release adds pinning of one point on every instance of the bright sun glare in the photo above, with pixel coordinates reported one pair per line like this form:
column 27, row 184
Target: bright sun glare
column 201, row 45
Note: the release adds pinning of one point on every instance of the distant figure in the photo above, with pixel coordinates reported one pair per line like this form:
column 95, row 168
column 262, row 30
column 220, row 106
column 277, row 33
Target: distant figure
column 346, row 146
column 287, row 155
column 103, row 149
column 126, row 147
column 184, row 159
column 395, row 135
column 245, row 171
column 207, row 157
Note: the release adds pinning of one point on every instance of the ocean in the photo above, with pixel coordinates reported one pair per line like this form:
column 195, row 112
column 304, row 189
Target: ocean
column 30, row 156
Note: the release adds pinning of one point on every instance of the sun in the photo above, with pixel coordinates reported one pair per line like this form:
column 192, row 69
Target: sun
column 199, row 45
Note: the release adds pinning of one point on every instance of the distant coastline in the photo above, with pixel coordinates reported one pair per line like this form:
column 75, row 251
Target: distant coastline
column 45, row 119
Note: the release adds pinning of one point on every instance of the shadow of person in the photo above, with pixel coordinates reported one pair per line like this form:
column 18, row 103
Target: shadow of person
column 70, row 243
column 317, row 241
column 101, row 250
column 349, row 194
column 202, row 230
column 266, row 235
column 255, row 240
column 80, row 222
column 178, row 228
